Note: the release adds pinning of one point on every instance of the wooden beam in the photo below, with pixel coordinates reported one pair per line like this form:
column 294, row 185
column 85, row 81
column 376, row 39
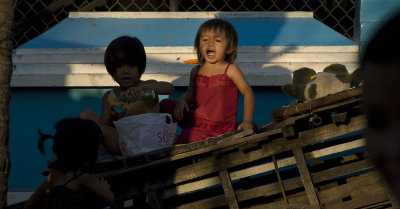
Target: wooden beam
column 153, row 200
column 305, row 176
column 92, row 5
column 228, row 189
column 174, row 5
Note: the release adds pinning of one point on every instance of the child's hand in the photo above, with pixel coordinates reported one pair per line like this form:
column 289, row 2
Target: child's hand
column 104, row 183
column 131, row 94
column 118, row 112
column 245, row 125
column 180, row 108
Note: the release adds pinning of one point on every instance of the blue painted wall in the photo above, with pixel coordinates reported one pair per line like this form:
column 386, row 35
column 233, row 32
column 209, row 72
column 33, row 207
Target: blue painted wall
column 84, row 32
column 373, row 14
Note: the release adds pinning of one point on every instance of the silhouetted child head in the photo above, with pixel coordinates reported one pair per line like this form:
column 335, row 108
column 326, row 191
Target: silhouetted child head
column 76, row 143
column 218, row 26
column 125, row 50
column 380, row 69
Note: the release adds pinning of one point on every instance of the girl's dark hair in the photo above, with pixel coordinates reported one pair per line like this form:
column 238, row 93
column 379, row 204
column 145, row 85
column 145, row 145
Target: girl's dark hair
column 219, row 25
column 384, row 46
column 125, row 50
column 76, row 143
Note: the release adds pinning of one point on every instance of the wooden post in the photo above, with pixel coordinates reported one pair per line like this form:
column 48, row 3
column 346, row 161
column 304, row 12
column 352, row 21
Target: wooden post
column 228, row 189
column 174, row 5
column 153, row 200
column 6, row 26
column 305, row 176
column 93, row 4
column 280, row 180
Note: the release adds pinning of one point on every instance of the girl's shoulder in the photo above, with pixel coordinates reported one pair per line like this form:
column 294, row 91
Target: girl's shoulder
column 232, row 68
column 86, row 179
column 86, row 176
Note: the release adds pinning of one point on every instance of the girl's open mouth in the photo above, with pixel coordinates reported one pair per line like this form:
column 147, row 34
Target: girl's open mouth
column 210, row 53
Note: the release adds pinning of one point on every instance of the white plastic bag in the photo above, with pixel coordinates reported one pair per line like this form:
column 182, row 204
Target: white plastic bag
column 145, row 133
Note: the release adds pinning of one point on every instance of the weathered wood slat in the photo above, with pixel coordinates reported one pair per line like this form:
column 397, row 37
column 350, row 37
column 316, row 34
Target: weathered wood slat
column 247, row 57
column 228, row 189
column 305, row 176
column 367, row 184
column 310, row 106
column 282, row 187
column 212, row 165
column 262, row 66
column 272, row 189
column 341, row 171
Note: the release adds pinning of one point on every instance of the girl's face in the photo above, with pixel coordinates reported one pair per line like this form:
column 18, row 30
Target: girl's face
column 213, row 46
column 127, row 76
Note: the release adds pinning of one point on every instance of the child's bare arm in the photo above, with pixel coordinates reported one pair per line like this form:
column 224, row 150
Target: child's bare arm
column 248, row 97
column 187, row 98
column 37, row 195
column 160, row 87
column 98, row 186
column 108, row 115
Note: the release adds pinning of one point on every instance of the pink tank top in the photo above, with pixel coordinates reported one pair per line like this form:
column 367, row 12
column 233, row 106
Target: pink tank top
column 216, row 99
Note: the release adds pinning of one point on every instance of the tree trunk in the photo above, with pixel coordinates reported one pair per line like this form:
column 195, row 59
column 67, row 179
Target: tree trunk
column 6, row 25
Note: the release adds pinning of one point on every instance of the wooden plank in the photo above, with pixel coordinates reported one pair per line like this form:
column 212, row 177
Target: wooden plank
column 305, row 176
column 96, row 57
column 153, row 200
column 190, row 49
column 171, row 15
column 367, row 200
column 282, row 187
column 366, row 184
column 228, row 189
column 279, row 205
column 92, row 5
column 335, row 149
column 309, row 106
column 341, row 171
column 212, row 165
column 174, row 5
column 262, row 66
column 214, row 202
column 273, row 188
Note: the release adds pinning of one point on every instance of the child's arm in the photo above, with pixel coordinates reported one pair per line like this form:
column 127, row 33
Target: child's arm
column 108, row 115
column 240, row 81
column 159, row 87
column 98, row 186
column 37, row 195
column 186, row 99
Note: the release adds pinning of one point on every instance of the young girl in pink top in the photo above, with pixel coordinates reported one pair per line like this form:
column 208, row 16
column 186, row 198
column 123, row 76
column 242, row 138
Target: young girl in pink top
column 214, row 86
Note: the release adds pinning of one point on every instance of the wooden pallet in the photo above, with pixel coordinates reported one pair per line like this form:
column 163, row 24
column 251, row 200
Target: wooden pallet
column 312, row 157
column 293, row 162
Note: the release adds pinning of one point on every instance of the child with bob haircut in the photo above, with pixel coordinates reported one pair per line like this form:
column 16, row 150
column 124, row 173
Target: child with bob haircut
column 69, row 183
column 214, row 85
column 125, row 61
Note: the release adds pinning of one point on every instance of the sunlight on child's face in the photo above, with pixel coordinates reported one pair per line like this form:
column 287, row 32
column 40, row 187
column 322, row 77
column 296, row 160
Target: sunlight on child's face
column 213, row 46
column 127, row 76
column 381, row 98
